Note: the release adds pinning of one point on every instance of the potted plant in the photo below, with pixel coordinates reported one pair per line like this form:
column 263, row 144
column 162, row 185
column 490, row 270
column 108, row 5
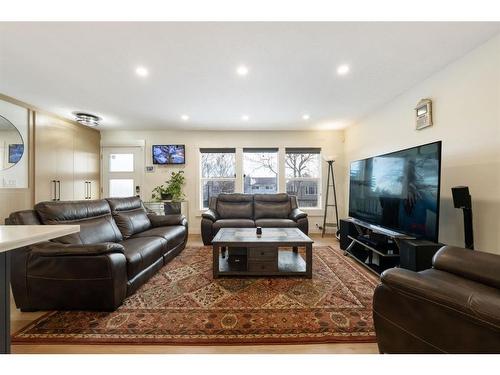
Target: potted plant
column 171, row 191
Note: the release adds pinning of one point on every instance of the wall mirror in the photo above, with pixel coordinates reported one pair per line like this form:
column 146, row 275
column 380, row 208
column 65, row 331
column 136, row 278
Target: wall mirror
column 11, row 144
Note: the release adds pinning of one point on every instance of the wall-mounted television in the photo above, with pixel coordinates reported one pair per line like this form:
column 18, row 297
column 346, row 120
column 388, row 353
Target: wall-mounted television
column 399, row 190
column 169, row 154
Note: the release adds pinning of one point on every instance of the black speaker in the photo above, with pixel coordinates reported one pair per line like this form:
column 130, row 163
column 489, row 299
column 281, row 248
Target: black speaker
column 345, row 230
column 416, row 255
column 461, row 197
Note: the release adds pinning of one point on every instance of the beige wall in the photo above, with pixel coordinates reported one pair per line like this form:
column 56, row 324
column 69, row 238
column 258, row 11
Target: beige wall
column 466, row 104
column 331, row 143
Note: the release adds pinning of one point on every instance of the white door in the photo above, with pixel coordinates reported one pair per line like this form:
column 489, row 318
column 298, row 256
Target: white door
column 122, row 171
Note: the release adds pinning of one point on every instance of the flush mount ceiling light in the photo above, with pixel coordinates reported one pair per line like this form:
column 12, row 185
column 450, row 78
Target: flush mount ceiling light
column 184, row 117
column 242, row 70
column 141, row 71
column 305, row 117
column 245, row 117
column 87, row 119
column 343, row 69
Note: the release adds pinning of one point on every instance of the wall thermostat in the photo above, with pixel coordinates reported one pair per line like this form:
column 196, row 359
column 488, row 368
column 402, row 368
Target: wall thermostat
column 423, row 114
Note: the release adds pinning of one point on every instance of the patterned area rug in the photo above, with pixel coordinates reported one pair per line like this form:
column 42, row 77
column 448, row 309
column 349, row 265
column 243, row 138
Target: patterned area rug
column 183, row 304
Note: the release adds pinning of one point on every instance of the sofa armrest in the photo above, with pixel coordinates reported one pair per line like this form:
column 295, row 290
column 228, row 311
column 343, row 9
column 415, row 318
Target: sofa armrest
column 297, row 214
column 51, row 249
column 469, row 264
column 210, row 215
column 167, row 220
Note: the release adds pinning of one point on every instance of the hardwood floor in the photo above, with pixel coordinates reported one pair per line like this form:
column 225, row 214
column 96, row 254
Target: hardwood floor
column 20, row 320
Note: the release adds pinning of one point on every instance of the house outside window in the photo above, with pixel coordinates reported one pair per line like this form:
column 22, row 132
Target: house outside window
column 260, row 170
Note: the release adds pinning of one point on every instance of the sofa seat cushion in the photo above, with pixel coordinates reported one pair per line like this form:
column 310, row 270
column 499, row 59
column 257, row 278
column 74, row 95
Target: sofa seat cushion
column 142, row 252
column 275, row 223
column 233, row 223
column 174, row 234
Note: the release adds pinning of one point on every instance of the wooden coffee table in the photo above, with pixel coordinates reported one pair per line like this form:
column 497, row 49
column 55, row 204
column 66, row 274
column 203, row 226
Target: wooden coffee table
column 261, row 255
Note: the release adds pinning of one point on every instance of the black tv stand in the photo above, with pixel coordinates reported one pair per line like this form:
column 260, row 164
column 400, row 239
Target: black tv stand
column 374, row 247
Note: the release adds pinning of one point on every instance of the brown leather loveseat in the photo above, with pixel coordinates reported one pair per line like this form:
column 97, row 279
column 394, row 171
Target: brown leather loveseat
column 251, row 210
column 119, row 247
column 454, row 307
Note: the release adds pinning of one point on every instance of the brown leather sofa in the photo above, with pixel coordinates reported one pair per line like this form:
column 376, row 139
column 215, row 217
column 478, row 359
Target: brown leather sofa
column 119, row 247
column 454, row 307
column 250, row 211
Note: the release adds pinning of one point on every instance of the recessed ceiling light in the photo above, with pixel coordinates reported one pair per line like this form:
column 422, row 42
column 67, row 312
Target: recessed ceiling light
column 343, row 69
column 305, row 116
column 141, row 71
column 245, row 117
column 185, row 117
column 242, row 70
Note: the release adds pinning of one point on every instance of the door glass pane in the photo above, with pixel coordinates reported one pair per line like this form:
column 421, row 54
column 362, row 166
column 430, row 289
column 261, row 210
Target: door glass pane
column 212, row 188
column 123, row 187
column 261, row 172
column 121, row 162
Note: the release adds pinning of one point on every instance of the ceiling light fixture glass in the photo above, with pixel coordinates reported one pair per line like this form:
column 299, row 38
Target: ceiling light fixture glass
column 245, row 117
column 343, row 69
column 87, row 119
column 141, row 71
column 242, row 70
column 185, row 117
column 305, row 117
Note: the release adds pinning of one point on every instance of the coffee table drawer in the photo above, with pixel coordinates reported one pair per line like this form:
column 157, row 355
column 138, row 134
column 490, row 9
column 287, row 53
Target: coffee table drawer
column 263, row 266
column 262, row 253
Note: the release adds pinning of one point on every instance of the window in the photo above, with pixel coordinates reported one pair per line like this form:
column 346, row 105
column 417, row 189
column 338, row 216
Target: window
column 218, row 172
column 303, row 175
column 260, row 170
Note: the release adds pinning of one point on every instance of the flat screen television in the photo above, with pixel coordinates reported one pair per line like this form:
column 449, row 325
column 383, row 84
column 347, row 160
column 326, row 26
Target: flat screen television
column 399, row 190
column 169, row 154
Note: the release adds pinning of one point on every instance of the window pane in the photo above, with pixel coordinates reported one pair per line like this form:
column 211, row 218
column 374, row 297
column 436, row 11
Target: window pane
column 213, row 188
column 261, row 172
column 121, row 188
column 302, row 165
column 217, row 165
column 306, row 192
column 121, row 162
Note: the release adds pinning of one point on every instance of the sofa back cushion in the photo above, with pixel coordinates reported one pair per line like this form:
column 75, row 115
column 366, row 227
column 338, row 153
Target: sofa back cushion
column 25, row 217
column 235, row 206
column 94, row 217
column 271, row 206
column 130, row 215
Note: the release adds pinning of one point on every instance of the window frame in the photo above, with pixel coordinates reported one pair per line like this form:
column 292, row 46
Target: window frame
column 202, row 179
column 318, row 179
column 257, row 150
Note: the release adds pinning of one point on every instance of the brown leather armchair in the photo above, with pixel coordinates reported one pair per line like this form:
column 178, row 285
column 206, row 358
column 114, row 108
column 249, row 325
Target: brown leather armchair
column 454, row 307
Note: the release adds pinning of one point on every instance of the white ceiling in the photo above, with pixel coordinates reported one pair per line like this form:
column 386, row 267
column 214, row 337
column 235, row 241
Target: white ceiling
column 66, row 67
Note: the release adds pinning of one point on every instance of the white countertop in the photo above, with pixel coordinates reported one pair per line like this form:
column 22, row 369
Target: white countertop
column 15, row 236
